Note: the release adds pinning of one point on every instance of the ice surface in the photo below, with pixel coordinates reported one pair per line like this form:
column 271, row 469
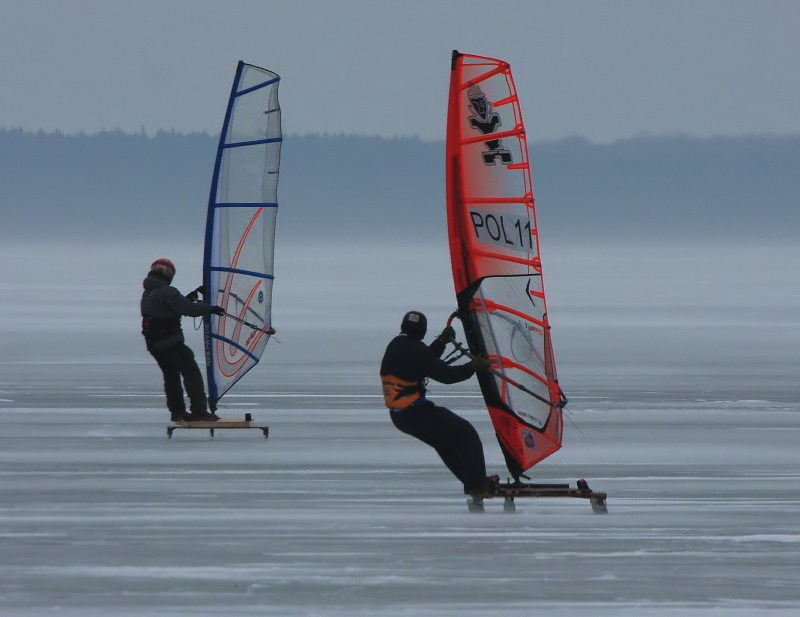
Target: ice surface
column 337, row 513
column 683, row 407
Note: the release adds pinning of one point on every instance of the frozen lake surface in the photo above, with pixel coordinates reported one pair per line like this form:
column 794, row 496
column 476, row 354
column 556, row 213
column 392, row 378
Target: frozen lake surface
column 681, row 368
column 337, row 513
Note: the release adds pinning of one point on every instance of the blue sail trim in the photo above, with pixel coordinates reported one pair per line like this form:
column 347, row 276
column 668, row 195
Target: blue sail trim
column 244, row 204
column 213, row 390
column 258, row 86
column 260, row 275
column 255, row 142
column 234, row 344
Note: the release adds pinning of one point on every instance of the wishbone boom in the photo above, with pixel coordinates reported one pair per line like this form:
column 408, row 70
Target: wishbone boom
column 466, row 352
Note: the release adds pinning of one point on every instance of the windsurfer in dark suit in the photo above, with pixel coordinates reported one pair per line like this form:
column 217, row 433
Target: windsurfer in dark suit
column 162, row 306
column 405, row 369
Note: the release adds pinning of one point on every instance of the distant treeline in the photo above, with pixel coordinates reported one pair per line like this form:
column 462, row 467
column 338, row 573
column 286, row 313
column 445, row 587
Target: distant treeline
column 126, row 187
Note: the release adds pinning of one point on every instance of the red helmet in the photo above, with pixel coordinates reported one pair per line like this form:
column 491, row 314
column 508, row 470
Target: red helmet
column 164, row 267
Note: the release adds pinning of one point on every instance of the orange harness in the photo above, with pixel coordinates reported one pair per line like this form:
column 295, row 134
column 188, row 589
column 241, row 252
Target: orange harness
column 400, row 393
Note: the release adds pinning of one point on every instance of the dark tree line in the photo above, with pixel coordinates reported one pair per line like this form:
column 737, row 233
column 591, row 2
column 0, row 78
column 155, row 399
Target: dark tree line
column 78, row 187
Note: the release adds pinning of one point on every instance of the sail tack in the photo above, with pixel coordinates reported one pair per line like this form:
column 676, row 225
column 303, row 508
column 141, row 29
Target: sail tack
column 497, row 271
column 240, row 229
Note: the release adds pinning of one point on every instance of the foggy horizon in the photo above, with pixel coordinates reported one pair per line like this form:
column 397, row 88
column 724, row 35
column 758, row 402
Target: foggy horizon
column 366, row 189
column 622, row 315
column 532, row 139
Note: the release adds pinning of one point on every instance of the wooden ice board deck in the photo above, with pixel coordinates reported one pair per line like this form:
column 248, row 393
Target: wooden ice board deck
column 509, row 491
column 222, row 423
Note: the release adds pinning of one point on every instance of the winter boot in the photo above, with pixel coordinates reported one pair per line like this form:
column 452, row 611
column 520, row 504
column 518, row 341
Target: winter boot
column 205, row 416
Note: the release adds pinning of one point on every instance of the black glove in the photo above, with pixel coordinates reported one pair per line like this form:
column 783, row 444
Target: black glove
column 218, row 310
column 193, row 295
column 480, row 363
column 448, row 335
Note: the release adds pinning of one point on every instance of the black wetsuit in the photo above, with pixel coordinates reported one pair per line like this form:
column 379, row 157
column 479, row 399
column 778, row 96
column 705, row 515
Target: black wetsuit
column 162, row 306
column 407, row 363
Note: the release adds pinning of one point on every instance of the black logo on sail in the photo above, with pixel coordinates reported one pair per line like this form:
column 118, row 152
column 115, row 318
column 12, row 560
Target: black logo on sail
column 484, row 119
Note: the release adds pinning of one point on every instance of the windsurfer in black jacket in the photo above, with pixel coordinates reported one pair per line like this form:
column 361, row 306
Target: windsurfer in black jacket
column 162, row 306
column 406, row 366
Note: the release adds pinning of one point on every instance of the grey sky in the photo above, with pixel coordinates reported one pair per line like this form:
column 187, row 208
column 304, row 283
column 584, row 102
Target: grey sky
column 603, row 70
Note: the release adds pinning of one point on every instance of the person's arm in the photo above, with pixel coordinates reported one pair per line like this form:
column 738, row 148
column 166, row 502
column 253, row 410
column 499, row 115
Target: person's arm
column 435, row 368
column 439, row 344
column 194, row 295
column 183, row 306
column 437, row 347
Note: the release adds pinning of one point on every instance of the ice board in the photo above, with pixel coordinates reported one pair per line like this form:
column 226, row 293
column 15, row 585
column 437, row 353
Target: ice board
column 223, row 423
column 511, row 490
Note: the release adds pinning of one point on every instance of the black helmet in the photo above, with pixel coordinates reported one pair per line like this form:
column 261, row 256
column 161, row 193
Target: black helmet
column 414, row 324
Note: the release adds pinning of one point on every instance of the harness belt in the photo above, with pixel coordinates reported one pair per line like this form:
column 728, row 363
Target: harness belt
column 400, row 393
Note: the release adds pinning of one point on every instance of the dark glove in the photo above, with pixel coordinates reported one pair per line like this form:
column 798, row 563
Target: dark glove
column 448, row 335
column 480, row 363
column 218, row 310
column 193, row 295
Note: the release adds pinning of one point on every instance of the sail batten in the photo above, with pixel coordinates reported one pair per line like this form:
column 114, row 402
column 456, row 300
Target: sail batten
column 233, row 343
column 525, row 200
column 501, row 68
column 262, row 275
column 245, row 205
column 240, row 230
column 494, row 249
column 492, row 307
column 255, row 142
column 269, row 82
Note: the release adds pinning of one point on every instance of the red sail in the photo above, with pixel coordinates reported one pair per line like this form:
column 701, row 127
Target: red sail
column 494, row 250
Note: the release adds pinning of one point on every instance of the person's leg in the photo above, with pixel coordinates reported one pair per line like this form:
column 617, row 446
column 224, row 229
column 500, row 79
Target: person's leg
column 454, row 439
column 169, row 364
column 423, row 428
column 192, row 380
column 463, row 448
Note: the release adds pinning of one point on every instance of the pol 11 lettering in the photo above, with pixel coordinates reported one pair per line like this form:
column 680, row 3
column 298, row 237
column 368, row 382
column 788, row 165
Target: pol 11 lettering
column 502, row 229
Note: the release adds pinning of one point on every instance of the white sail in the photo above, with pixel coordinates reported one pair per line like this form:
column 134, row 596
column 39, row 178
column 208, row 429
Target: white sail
column 240, row 230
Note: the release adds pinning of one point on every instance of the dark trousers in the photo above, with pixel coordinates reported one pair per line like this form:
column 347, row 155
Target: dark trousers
column 178, row 362
column 454, row 439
